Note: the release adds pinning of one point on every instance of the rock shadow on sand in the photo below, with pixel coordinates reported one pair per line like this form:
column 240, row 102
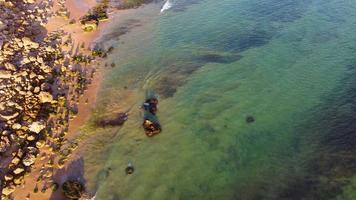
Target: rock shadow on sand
column 74, row 171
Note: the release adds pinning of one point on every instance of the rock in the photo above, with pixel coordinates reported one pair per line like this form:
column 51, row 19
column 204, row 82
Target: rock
column 10, row 66
column 40, row 143
column 250, row 119
column 29, row 159
column 90, row 25
column 9, row 116
column 15, row 161
column 18, row 170
column 4, row 74
column 36, row 90
column 31, row 138
column 29, row 43
column 8, row 177
column 4, row 144
column 72, row 189
column 2, row 25
column 8, row 190
column 45, row 97
column 37, row 127
column 16, row 126
column 18, row 180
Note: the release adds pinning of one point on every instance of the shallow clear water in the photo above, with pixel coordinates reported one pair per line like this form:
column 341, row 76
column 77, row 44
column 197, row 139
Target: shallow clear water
column 288, row 64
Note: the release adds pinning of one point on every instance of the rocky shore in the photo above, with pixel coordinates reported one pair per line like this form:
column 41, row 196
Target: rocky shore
column 41, row 80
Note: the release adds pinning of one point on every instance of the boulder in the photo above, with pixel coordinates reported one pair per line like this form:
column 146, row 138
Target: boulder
column 18, row 180
column 31, row 138
column 90, row 25
column 15, row 161
column 8, row 190
column 8, row 177
column 29, row 159
column 29, row 43
column 4, row 74
column 45, row 97
column 37, row 127
column 40, row 143
column 9, row 116
column 16, row 126
column 18, row 170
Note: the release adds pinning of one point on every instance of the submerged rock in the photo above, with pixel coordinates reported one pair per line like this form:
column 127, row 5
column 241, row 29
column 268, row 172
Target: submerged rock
column 250, row 119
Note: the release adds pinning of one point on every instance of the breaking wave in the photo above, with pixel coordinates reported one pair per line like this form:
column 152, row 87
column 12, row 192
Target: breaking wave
column 166, row 6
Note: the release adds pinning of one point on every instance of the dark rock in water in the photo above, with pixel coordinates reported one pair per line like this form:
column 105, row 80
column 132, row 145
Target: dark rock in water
column 118, row 120
column 129, row 169
column 150, row 121
column 150, row 105
column 216, row 58
column 151, row 128
column 72, row 189
column 250, row 119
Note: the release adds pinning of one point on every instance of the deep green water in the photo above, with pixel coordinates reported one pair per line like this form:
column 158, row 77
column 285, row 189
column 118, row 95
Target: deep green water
column 290, row 64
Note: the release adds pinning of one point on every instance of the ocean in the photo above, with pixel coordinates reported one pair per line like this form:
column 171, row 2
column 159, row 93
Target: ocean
column 257, row 100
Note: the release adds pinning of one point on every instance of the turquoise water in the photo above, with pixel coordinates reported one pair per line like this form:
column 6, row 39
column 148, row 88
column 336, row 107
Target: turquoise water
column 289, row 65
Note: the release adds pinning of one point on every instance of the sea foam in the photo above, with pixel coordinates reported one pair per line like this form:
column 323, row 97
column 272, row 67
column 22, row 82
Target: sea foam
column 166, row 6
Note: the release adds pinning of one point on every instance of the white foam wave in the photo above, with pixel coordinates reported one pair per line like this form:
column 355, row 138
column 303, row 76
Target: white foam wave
column 166, row 6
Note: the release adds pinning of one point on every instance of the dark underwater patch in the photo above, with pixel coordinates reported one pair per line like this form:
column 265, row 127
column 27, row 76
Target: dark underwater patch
column 216, row 58
column 174, row 77
column 334, row 158
column 117, row 32
column 250, row 38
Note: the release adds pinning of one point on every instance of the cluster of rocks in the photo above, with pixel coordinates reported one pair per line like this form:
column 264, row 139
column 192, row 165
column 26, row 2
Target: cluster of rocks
column 40, row 85
column 62, row 11
column 97, row 14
